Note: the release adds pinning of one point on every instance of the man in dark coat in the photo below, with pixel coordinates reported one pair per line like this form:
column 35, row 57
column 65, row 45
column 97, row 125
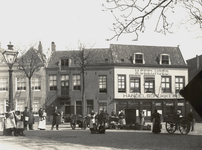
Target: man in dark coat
column 156, row 122
column 56, row 118
column 31, row 119
column 191, row 119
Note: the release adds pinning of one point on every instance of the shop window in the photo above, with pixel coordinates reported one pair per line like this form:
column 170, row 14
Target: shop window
column 149, row 85
column 102, row 105
column 121, row 83
column 76, row 82
column 166, row 84
column 53, row 82
column 170, row 109
column 102, row 84
column 179, row 84
column 134, row 84
column 3, row 84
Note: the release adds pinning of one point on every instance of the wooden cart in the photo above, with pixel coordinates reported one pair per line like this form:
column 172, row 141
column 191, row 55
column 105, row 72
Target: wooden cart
column 174, row 123
column 78, row 119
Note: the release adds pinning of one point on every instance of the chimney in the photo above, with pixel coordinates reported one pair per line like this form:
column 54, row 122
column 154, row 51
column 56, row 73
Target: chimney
column 197, row 62
column 53, row 47
column 10, row 46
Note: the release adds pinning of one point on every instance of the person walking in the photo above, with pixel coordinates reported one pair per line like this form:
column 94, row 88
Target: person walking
column 26, row 117
column 156, row 122
column 56, row 118
column 42, row 119
column 191, row 119
column 31, row 119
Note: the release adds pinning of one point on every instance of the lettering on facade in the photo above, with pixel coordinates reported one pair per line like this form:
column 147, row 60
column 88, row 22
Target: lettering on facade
column 151, row 72
column 151, row 95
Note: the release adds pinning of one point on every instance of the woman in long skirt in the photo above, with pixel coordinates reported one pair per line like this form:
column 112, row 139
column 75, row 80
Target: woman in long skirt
column 42, row 119
column 156, row 122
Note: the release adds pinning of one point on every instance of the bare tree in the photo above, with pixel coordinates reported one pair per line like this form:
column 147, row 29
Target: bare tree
column 29, row 62
column 80, row 58
column 132, row 15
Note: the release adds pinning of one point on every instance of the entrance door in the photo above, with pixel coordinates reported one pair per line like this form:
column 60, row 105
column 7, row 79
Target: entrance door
column 64, row 88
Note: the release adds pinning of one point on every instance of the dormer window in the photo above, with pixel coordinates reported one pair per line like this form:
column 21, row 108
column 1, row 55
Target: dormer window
column 165, row 59
column 64, row 63
column 138, row 58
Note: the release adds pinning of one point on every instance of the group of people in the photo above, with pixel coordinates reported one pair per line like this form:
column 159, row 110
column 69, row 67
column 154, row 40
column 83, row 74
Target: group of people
column 17, row 122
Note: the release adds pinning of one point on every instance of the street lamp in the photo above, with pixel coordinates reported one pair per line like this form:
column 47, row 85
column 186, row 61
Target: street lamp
column 10, row 56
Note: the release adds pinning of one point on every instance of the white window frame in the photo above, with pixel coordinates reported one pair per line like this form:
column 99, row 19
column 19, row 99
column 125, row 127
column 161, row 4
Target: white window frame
column 17, row 84
column 34, row 86
column 134, row 58
column 169, row 62
column 6, row 83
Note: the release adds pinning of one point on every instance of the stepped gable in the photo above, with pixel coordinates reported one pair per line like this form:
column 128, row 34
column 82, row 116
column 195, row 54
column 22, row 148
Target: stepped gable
column 124, row 54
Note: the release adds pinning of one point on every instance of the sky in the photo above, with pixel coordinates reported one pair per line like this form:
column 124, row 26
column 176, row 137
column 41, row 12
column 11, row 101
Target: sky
column 67, row 22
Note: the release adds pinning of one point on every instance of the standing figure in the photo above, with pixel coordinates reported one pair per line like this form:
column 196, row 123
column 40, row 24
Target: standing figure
column 10, row 122
column 42, row 119
column 191, row 119
column 156, row 122
column 122, row 118
column 19, row 123
column 31, row 119
column 62, row 117
column 26, row 117
column 56, row 118
column 142, row 116
column 92, row 119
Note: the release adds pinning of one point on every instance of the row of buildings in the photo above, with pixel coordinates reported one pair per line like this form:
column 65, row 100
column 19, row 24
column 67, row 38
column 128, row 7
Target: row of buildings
column 121, row 77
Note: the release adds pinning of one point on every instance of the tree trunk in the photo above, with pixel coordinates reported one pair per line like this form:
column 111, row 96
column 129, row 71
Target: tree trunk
column 30, row 95
column 83, row 95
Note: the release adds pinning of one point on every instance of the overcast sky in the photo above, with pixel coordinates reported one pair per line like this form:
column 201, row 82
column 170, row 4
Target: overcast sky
column 68, row 21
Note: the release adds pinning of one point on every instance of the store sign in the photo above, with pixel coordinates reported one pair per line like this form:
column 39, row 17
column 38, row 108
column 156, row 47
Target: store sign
column 151, row 72
column 158, row 104
column 169, row 104
column 151, row 95
column 180, row 104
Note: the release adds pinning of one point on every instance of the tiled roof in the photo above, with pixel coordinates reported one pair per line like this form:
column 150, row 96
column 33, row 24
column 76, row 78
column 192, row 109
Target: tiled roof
column 151, row 54
column 116, row 53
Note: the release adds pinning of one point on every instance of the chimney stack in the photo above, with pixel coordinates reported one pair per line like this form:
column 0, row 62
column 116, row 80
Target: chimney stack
column 53, row 47
column 10, row 46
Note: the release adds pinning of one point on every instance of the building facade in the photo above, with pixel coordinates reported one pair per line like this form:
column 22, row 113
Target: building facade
column 21, row 88
column 119, row 78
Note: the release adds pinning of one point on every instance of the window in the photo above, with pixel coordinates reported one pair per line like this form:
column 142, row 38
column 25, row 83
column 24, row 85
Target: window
column 103, row 84
column 21, row 84
column 76, row 82
column 149, row 85
column 3, row 84
column 166, row 84
column 165, row 59
column 102, row 106
column 36, row 84
column 53, row 82
column 21, row 104
column 134, row 84
column 64, row 84
column 138, row 58
column 36, row 106
column 179, row 84
column 89, row 106
column 64, row 62
column 121, row 83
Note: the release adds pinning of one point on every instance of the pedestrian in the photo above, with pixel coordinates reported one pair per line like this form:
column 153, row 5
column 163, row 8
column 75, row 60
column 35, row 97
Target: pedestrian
column 62, row 117
column 31, row 119
column 191, row 119
column 10, row 122
column 156, row 122
column 122, row 118
column 142, row 116
column 113, row 114
column 56, row 118
column 42, row 119
column 26, row 117
column 19, row 124
column 92, row 119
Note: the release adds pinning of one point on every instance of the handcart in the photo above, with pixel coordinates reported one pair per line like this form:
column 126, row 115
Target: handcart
column 174, row 122
column 78, row 119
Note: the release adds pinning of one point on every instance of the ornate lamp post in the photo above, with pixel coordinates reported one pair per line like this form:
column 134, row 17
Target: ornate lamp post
column 10, row 57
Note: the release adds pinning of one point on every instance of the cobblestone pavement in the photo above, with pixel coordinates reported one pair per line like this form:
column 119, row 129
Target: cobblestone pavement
column 67, row 139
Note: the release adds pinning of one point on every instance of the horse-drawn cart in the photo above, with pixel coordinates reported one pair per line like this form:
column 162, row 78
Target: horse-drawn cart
column 78, row 119
column 174, row 123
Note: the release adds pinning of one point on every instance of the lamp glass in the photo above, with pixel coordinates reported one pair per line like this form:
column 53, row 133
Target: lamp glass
column 10, row 56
